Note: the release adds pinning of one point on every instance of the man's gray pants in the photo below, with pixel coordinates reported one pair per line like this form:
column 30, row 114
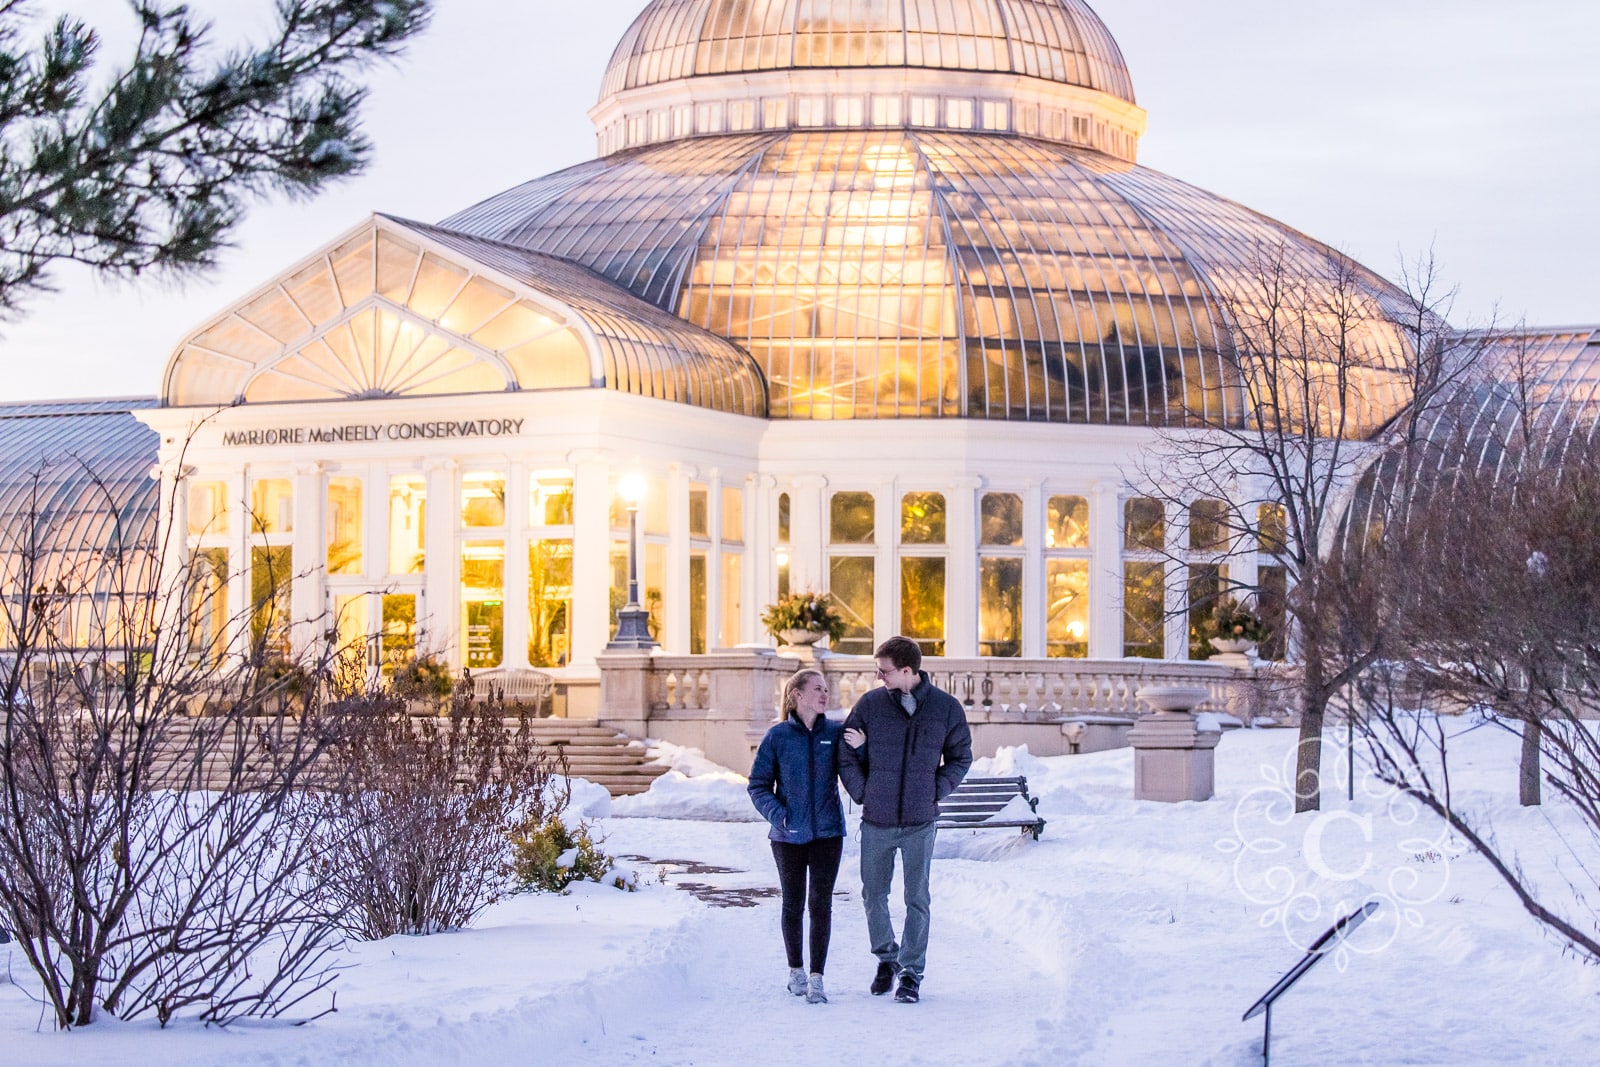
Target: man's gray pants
column 878, row 847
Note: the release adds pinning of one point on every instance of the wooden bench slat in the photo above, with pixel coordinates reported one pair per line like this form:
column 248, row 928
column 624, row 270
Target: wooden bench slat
column 975, row 801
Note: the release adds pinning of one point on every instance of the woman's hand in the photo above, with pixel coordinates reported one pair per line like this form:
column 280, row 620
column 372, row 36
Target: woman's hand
column 855, row 738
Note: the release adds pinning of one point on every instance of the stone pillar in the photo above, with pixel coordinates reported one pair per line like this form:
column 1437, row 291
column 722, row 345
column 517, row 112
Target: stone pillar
column 591, row 555
column 961, row 568
column 1105, row 571
column 1035, row 591
column 675, row 591
column 310, row 613
column 1172, row 760
column 438, row 617
column 514, row 605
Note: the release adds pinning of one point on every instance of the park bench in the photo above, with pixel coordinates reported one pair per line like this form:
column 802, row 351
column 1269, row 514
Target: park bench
column 982, row 803
column 516, row 687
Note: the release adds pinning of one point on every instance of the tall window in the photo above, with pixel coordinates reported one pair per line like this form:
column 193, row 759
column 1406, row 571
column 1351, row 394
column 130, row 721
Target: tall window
column 922, row 570
column 1143, row 579
column 483, row 499
column 271, row 506
column 208, row 508
column 271, row 582
column 851, row 524
column 1208, row 573
column 783, row 544
column 1000, row 575
column 699, row 552
column 483, row 593
column 344, row 526
column 1066, row 577
column 549, row 568
column 208, row 603
column 408, row 502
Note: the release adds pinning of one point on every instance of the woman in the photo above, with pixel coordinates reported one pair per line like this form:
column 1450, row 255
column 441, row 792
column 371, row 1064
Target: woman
column 795, row 785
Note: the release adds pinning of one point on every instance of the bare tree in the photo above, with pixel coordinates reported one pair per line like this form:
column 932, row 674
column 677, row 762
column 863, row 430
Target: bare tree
column 1330, row 374
column 151, row 860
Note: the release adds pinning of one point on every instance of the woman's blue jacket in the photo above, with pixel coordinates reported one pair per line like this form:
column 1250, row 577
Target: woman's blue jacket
column 794, row 782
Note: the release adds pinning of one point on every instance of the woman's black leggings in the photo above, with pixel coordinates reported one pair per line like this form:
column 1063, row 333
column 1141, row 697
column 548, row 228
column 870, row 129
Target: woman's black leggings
column 821, row 859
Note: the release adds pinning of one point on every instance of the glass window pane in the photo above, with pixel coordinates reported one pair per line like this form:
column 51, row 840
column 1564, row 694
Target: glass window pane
column 344, row 526
column 1145, row 524
column 922, row 519
column 1272, row 596
column 1143, row 610
column 1000, row 607
column 922, row 603
column 208, row 508
column 1067, row 522
column 350, row 623
column 697, row 603
column 1272, row 528
column 399, row 635
column 1066, row 608
column 550, row 500
column 732, row 570
column 732, row 514
column 783, row 518
column 483, row 499
column 851, row 519
column 208, row 603
column 408, row 501
column 271, row 506
column 549, row 601
column 1208, row 526
column 271, row 581
column 850, row 580
column 483, row 591
column 699, row 512
column 1206, row 585
column 1001, row 519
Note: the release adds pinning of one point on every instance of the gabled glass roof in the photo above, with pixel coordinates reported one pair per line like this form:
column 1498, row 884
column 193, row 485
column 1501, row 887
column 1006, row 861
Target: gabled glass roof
column 896, row 273
column 1056, row 40
column 403, row 309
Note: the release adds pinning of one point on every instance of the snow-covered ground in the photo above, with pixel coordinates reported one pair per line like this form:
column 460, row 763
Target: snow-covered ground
column 1133, row 933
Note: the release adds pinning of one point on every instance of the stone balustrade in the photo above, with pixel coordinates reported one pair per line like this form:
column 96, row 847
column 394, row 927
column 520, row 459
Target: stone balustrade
column 722, row 702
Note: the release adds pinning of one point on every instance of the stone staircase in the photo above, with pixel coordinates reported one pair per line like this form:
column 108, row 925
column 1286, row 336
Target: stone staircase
column 613, row 760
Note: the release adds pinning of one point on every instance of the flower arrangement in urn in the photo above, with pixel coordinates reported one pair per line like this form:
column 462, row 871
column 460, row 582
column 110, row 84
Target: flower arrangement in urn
column 1236, row 626
column 803, row 619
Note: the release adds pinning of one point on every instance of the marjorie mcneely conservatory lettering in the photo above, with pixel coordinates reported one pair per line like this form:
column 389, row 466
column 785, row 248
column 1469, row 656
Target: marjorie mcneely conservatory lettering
column 390, row 431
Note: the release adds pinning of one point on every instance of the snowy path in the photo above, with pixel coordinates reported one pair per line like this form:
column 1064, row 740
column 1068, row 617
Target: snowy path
column 729, row 1006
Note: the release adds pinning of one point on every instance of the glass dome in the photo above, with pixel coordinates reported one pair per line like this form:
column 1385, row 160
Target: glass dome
column 1057, row 40
column 927, row 273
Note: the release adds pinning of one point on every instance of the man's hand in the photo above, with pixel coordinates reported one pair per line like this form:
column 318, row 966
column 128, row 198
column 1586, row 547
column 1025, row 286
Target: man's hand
column 855, row 738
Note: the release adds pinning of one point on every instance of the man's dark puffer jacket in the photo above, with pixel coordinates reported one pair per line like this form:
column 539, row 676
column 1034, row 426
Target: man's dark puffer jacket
column 794, row 781
column 909, row 762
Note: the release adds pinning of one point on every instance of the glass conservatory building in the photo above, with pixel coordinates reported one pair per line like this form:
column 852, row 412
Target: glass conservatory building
column 875, row 296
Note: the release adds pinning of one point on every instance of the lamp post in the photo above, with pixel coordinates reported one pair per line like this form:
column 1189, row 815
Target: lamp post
column 633, row 621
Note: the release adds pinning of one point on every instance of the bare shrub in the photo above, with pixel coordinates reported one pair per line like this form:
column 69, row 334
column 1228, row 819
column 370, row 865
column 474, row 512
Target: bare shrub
column 418, row 840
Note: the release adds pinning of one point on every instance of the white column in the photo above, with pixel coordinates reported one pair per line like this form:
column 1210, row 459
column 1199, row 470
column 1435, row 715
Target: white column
column 515, row 604
column 1105, row 571
column 310, row 613
column 808, row 534
column 238, row 638
column 675, row 594
column 886, row 573
column 439, row 616
column 591, row 554
column 1034, row 591
column 961, row 573
column 714, row 559
column 1176, row 523
column 173, row 538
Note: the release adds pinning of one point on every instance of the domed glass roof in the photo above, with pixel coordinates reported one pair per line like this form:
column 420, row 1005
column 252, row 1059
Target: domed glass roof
column 1057, row 40
column 910, row 273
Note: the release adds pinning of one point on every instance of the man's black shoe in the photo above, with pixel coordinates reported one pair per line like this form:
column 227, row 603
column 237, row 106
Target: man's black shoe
column 884, row 978
column 907, row 993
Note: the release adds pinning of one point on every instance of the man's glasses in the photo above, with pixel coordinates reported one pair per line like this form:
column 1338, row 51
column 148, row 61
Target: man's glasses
column 886, row 670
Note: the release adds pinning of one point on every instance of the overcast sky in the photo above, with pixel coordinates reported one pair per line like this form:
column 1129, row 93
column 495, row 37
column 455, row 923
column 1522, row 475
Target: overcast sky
column 1381, row 127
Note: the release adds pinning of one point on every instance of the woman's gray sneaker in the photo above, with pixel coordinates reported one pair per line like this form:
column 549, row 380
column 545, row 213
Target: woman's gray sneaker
column 797, row 981
column 814, row 993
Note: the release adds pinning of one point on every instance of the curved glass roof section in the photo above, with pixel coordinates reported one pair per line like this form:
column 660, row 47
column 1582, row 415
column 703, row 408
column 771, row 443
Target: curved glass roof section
column 77, row 504
column 399, row 309
column 1056, row 40
column 1525, row 398
column 897, row 273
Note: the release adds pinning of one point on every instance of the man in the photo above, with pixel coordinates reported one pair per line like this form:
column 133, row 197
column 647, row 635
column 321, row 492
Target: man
column 916, row 751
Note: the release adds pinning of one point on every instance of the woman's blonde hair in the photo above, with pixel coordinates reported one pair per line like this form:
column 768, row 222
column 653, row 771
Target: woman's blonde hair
column 791, row 689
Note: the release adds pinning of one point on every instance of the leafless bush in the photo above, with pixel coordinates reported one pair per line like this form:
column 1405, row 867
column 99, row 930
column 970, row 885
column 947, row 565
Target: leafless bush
column 418, row 840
